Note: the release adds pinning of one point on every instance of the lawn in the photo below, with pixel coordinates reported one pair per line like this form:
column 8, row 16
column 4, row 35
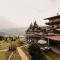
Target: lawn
column 6, row 44
column 52, row 56
column 4, row 55
column 16, row 56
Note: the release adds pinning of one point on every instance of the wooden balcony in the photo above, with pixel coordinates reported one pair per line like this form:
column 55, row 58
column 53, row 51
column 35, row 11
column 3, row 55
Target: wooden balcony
column 53, row 23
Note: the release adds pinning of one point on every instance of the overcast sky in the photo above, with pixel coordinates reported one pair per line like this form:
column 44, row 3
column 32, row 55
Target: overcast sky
column 20, row 13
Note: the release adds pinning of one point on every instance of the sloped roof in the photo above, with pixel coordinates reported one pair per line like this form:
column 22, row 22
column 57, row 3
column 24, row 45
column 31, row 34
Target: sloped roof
column 53, row 17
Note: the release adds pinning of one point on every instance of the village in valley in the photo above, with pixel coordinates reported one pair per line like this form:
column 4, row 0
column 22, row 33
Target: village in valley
column 38, row 42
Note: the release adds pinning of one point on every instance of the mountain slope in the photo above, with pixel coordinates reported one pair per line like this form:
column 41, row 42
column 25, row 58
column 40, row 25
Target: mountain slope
column 14, row 31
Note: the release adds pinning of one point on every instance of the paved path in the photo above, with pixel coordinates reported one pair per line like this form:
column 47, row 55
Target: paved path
column 21, row 53
column 3, row 50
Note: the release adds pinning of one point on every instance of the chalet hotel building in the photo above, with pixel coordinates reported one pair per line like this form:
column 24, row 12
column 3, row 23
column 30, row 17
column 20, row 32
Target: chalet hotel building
column 53, row 35
column 54, row 24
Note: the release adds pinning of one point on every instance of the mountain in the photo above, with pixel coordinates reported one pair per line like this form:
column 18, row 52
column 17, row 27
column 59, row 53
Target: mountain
column 13, row 31
column 3, row 34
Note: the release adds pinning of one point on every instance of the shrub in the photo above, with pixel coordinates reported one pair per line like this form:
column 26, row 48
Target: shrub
column 35, row 52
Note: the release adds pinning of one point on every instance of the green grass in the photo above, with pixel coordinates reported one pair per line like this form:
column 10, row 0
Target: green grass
column 4, row 55
column 53, row 56
column 18, row 42
column 6, row 44
column 16, row 56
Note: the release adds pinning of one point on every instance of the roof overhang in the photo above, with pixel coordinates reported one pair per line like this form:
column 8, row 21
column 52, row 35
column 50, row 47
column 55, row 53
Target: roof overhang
column 54, row 17
column 54, row 38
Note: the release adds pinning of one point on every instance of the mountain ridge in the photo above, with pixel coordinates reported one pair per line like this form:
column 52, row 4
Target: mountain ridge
column 13, row 31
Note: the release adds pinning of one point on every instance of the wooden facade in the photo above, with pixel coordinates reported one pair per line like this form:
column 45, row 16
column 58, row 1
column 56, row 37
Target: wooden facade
column 54, row 24
column 54, row 28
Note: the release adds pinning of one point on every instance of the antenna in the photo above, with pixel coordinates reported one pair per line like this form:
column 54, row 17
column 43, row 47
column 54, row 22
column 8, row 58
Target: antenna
column 57, row 13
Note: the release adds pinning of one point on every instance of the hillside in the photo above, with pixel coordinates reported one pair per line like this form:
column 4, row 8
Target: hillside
column 13, row 31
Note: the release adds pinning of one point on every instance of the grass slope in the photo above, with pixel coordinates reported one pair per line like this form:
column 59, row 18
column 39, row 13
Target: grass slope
column 6, row 44
column 4, row 55
column 16, row 56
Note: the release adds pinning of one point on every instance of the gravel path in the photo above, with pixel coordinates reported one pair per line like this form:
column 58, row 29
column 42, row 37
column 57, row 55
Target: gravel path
column 21, row 53
column 10, row 56
column 3, row 50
